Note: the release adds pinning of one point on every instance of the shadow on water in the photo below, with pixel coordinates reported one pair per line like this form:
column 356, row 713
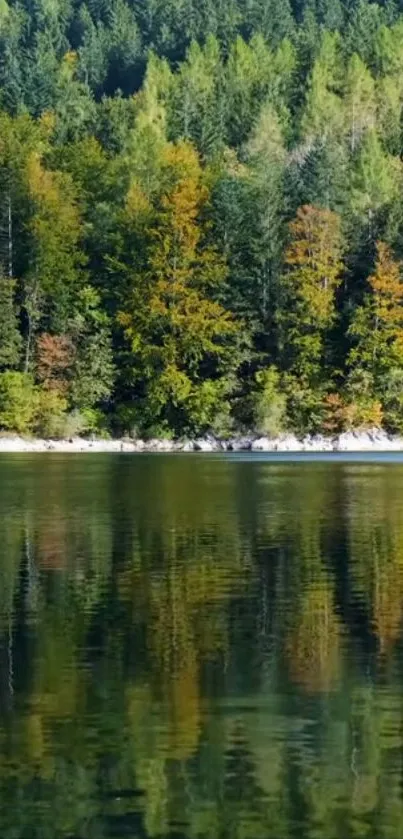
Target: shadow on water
column 201, row 647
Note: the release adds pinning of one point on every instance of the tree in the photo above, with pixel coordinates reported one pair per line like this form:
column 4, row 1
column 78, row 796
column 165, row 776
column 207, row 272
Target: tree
column 377, row 325
column 374, row 187
column 54, row 359
column 182, row 340
column 272, row 18
column 323, row 115
column 56, row 260
column 313, row 272
column 10, row 336
column 18, row 401
column 198, row 104
column 93, row 369
column 359, row 101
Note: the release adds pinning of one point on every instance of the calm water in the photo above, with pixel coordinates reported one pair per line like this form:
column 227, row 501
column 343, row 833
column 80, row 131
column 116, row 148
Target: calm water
column 200, row 647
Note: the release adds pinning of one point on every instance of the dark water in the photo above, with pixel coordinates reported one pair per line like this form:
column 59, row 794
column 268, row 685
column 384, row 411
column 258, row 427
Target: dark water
column 200, row 647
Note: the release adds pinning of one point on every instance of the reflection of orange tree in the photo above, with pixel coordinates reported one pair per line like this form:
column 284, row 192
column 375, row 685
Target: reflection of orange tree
column 187, row 618
column 312, row 627
column 376, row 552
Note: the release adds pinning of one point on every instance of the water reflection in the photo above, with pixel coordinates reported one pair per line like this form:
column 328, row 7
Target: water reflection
column 194, row 647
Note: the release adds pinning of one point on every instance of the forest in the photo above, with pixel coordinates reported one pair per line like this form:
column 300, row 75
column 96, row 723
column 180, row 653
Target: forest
column 201, row 216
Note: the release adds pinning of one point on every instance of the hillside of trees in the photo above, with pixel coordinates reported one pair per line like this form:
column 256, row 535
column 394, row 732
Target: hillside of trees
column 201, row 216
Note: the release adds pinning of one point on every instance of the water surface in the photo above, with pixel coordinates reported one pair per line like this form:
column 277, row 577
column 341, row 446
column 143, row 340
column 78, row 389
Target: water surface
column 197, row 646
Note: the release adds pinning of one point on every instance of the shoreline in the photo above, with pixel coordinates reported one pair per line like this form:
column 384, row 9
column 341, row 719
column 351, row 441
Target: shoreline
column 352, row 441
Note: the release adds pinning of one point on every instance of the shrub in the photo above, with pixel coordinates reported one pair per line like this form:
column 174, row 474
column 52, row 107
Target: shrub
column 18, row 401
column 334, row 413
column 364, row 413
column 393, row 400
column 269, row 403
column 208, row 408
column 50, row 413
column 304, row 405
column 363, row 408
column 75, row 423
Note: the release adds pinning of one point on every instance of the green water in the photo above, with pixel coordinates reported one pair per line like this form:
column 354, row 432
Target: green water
column 199, row 646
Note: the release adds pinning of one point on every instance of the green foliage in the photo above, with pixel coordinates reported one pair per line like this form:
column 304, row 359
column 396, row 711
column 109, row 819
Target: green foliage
column 305, row 405
column 93, row 368
column 50, row 414
column 191, row 194
column 393, row 399
column 18, row 401
column 10, row 336
column 269, row 403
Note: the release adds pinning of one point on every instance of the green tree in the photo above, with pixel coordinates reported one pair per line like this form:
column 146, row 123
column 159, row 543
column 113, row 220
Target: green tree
column 56, row 259
column 93, row 368
column 18, row 401
column 10, row 336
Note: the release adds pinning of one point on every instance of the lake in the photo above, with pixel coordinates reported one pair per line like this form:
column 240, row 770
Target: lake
column 201, row 646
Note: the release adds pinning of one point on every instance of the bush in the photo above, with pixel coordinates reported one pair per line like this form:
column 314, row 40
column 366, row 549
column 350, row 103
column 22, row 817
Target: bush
column 334, row 413
column 50, row 414
column 125, row 421
column 393, row 400
column 363, row 414
column 305, row 406
column 18, row 401
column 208, row 408
column 363, row 408
column 76, row 423
column 269, row 404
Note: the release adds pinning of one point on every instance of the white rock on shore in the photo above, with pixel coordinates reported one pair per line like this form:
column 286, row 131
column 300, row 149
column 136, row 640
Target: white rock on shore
column 376, row 440
column 373, row 440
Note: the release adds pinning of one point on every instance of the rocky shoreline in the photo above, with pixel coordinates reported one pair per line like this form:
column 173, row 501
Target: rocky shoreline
column 374, row 440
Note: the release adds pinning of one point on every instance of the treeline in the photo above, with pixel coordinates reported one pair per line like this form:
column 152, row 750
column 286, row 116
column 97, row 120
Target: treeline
column 200, row 216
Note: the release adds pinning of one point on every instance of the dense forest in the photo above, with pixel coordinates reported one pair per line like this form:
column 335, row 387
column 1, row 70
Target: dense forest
column 201, row 216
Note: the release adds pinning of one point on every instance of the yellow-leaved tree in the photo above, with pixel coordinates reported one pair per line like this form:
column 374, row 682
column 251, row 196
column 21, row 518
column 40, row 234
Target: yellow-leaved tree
column 312, row 275
column 183, row 343
column 376, row 357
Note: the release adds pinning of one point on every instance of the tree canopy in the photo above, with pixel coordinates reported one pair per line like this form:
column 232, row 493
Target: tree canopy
column 196, row 200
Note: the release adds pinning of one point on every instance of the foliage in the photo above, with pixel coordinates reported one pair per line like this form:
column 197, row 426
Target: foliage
column 50, row 413
column 191, row 195
column 178, row 333
column 18, row 401
column 269, row 403
column 313, row 270
column 10, row 336
column 377, row 327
